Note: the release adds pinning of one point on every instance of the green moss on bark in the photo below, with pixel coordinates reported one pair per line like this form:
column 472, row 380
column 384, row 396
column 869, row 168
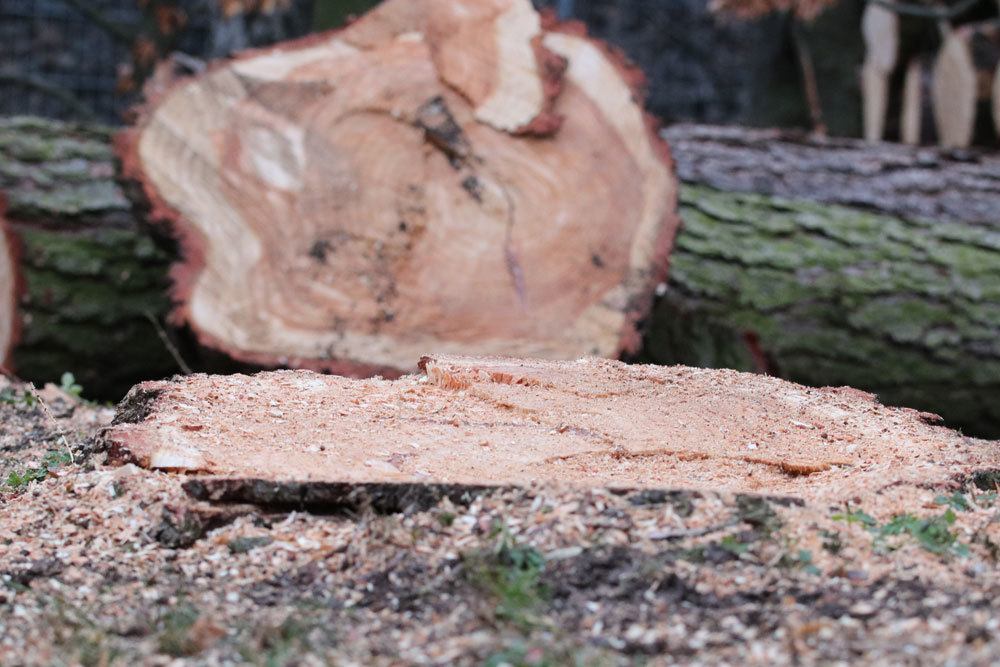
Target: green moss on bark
column 92, row 273
column 831, row 295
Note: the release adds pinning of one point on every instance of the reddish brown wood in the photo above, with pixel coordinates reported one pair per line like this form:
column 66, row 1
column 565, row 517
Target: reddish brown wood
column 10, row 288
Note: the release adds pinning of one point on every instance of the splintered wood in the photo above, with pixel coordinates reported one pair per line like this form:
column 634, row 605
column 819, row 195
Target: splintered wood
column 455, row 175
column 498, row 422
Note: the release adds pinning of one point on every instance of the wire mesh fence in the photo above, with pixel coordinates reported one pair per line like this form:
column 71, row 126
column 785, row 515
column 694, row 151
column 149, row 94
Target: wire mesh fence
column 57, row 62
column 61, row 58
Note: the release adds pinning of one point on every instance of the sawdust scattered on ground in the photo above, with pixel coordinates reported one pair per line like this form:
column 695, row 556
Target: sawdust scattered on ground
column 117, row 565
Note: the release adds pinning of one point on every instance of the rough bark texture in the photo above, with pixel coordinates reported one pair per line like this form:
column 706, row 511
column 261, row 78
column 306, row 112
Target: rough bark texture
column 897, row 293
column 915, row 183
column 818, row 294
column 87, row 272
column 590, row 423
column 329, row 192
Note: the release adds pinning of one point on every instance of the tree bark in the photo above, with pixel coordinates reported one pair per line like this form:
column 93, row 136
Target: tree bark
column 89, row 276
column 898, row 296
column 931, row 184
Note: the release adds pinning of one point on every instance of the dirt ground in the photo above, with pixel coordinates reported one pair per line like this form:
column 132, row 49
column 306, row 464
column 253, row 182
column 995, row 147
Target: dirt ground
column 108, row 565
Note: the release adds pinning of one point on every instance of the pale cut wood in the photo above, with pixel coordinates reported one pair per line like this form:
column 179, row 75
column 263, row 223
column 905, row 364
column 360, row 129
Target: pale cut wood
column 353, row 200
column 880, row 29
column 487, row 50
column 875, row 99
column 911, row 114
column 9, row 283
column 953, row 91
column 500, row 422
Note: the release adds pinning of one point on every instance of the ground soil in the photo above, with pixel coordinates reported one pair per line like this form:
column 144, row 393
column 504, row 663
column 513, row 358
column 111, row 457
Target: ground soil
column 118, row 564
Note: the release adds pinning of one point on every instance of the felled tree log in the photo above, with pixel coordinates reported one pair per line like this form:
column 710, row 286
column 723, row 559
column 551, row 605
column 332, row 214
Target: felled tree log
column 758, row 282
column 439, row 175
column 296, row 437
column 891, row 284
column 80, row 277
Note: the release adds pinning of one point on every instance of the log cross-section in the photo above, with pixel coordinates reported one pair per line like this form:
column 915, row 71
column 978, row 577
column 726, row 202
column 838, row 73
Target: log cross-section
column 449, row 176
column 478, row 422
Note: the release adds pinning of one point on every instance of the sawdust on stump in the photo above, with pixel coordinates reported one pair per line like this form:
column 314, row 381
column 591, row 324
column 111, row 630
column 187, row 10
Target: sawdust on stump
column 500, row 422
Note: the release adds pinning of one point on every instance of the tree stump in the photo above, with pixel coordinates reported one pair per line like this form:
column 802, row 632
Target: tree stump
column 441, row 175
column 295, row 436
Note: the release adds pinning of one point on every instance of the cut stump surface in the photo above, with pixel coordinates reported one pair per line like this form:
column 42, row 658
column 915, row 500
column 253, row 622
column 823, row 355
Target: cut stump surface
column 502, row 422
column 447, row 175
